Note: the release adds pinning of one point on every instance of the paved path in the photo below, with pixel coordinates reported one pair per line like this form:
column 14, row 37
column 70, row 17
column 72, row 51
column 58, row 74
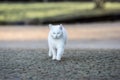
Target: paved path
column 112, row 44
column 94, row 35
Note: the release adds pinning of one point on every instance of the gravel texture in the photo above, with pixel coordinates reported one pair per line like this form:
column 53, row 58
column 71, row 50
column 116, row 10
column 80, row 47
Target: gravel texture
column 76, row 64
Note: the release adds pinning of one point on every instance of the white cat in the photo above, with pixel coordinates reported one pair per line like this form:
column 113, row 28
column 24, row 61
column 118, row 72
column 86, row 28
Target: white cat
column 56, row 40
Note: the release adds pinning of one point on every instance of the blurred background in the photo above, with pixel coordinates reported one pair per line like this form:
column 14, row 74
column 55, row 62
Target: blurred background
column 90, row 23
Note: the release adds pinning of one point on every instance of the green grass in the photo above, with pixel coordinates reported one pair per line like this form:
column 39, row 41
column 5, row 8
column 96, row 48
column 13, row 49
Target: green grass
column 11, row 12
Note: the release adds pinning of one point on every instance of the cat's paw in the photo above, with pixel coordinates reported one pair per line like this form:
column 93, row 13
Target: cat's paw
column 50, row 55
column 58, row 58
column 53, row 58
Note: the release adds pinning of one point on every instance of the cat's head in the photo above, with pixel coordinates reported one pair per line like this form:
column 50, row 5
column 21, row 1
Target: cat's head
column 56, row 31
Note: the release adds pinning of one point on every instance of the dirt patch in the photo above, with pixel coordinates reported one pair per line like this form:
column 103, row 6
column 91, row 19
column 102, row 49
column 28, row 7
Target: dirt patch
column 76, row 64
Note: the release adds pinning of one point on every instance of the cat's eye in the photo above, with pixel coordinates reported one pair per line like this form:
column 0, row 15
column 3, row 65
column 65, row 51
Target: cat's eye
column 58, row 33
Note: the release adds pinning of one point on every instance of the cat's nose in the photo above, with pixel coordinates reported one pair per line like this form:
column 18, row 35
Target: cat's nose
column 55, row 36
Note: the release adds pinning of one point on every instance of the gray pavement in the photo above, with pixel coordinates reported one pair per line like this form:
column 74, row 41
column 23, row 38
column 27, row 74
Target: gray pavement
column 93, row 35
column 105, row 44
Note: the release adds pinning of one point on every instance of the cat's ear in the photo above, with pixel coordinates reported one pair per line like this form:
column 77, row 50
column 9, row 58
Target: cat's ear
column 50, row 26
column 61, row 26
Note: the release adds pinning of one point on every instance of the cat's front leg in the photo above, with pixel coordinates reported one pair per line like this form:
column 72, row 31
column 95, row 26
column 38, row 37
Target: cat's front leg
column 50, row 52
column 60, row 52
column 53, row 54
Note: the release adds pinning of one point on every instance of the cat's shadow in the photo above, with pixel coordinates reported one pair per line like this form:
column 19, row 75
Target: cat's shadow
column 65, row 59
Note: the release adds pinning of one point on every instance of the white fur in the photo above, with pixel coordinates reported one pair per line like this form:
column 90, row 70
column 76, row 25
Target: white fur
column 56, row 40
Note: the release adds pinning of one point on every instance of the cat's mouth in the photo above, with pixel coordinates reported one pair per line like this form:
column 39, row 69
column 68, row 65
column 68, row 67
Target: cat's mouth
column 55, row 37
